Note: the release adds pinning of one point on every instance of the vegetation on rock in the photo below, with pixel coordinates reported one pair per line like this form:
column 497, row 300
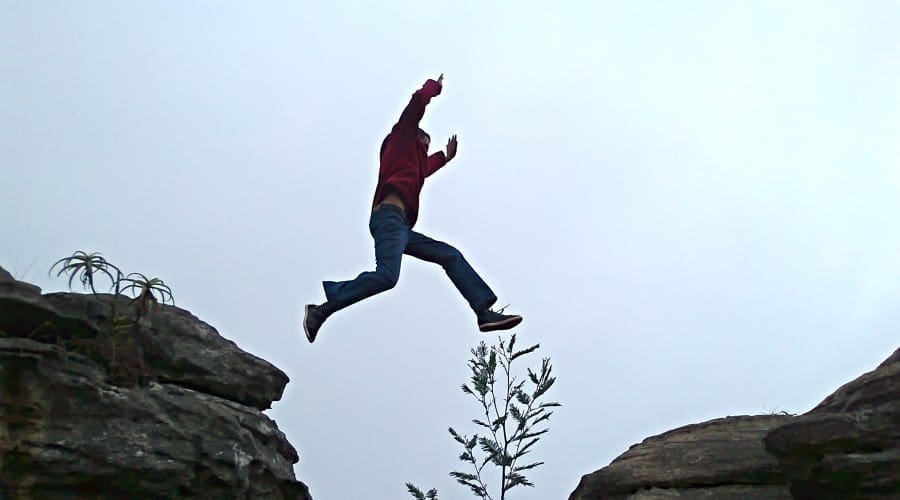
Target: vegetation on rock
column 121, row 345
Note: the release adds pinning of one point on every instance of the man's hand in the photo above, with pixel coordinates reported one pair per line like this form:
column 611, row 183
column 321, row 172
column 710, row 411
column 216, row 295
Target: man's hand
column 451, row 147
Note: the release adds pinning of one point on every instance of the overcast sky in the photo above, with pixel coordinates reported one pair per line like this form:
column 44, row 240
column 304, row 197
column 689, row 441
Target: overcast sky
column 693, row 204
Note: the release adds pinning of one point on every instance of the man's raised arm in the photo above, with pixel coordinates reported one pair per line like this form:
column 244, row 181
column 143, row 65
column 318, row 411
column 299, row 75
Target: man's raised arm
column 414, row 111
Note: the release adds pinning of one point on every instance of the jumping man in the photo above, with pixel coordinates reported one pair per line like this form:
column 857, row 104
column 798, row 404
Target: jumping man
column 404, row 166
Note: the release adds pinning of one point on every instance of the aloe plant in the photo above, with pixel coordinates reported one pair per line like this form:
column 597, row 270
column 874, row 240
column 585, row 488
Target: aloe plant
column 118, row 343
column 85, row 266
column 146, row 290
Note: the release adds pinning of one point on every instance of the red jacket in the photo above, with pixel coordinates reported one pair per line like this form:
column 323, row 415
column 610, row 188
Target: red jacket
column 404, row 162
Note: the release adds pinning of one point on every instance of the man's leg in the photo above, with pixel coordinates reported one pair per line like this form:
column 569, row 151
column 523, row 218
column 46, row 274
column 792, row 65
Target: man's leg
column 391, row 233
column 476, row 292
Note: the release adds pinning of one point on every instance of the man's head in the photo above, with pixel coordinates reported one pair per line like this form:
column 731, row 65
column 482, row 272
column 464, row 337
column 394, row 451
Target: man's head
column 424, row 138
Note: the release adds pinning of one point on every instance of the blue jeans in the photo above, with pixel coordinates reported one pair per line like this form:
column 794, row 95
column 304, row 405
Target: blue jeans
column 393, row 238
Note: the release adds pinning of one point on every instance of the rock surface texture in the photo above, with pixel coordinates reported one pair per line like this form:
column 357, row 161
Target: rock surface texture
column 191, row 425
column 849, row 445
column 721, row 458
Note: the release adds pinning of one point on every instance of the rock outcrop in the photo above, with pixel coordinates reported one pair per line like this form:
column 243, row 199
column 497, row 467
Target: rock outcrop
column 25, row 312
column 185, row 422
column 721, row 458
column 184, row 350
column 849, row 445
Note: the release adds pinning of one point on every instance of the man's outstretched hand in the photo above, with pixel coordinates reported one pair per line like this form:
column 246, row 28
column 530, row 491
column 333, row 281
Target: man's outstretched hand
column 451, row 146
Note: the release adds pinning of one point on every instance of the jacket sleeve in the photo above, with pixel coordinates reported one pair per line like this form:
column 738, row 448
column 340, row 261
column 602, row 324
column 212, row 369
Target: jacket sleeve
column 414, row 111
column 435, row 162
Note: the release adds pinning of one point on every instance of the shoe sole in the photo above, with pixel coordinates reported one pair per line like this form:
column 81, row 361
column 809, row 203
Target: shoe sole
column 501, row 325
column 310, row 338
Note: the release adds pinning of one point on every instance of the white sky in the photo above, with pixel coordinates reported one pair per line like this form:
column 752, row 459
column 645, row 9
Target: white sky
column 693, row 204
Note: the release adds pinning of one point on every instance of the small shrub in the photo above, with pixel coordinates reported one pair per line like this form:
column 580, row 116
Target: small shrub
column 513, row 415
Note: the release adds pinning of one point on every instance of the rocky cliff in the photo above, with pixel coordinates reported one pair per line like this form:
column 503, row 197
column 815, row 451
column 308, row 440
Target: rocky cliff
column 722, row 458
column 847, row 447
column 99, row 400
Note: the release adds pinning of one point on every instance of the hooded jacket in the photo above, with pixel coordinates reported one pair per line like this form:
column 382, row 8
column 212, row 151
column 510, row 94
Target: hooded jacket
column 404, row 162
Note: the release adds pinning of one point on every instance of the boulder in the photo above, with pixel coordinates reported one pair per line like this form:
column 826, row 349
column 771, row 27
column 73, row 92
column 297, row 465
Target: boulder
column 65, row 432
column 721, row 458
column 848, row 446
column 102, row 399
column 181, row 349
column 24, row 312
column 175, row 346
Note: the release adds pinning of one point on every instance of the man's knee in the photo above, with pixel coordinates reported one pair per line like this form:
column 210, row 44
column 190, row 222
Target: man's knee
column 451, row 256
column 385, row 280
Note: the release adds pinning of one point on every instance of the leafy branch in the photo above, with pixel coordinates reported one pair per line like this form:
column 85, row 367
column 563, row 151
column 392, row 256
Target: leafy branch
column 512, row 417
column 418, row 495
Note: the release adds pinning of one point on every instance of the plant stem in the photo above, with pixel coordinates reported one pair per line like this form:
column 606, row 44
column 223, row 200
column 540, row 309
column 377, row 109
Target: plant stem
column 506, row 368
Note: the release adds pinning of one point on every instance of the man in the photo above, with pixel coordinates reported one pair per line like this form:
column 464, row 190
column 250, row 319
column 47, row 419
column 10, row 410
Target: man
column 404, row 166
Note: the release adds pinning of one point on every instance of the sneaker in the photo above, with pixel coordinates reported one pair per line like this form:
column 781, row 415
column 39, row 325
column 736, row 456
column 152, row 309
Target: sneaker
column 491, row 320
column 312, row 321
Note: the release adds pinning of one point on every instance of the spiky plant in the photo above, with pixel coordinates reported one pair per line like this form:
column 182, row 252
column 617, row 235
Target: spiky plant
column 86, row 266
column 146, row 291
column 512, row 415
column 120, row 344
